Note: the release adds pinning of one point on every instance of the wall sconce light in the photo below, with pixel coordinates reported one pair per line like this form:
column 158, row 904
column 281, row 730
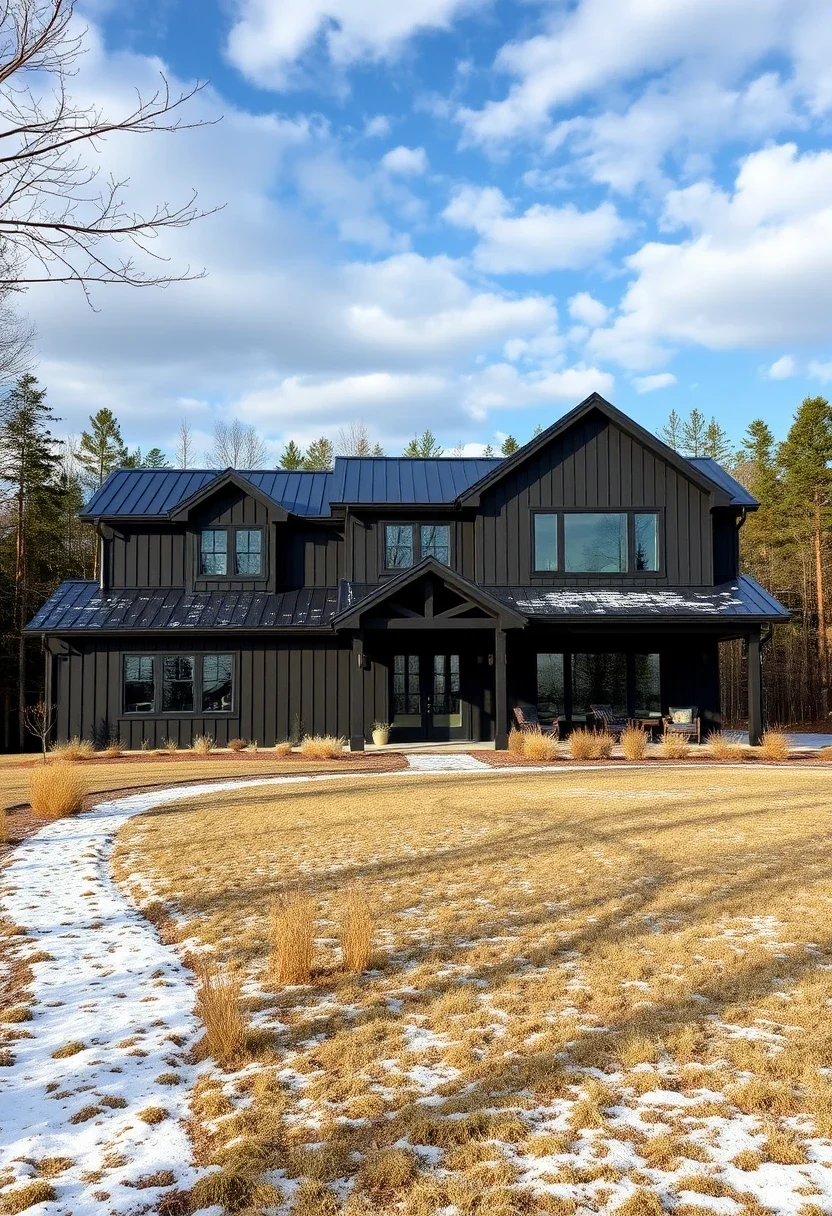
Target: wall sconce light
column 491, row 660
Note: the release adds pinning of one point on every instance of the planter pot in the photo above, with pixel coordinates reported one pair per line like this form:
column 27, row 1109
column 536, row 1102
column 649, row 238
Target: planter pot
column 381, row 737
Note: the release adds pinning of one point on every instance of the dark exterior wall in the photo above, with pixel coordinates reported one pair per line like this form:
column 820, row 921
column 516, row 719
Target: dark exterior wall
column 726, row 545
column 146, row 555
column 364, row 558
column 309, row 556
column 594, row 465
column 275, row 680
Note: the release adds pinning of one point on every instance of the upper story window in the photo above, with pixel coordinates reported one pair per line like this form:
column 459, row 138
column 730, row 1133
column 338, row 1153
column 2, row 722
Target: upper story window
column 596, row 542
column 246, row 546
column 406, row 544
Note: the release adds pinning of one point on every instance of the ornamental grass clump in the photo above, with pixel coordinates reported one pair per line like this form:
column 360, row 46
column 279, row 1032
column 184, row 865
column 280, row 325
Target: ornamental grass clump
column 202, row 744
column 56, row 791
column 236, row 745
column 675, row 747
column 516, row 741
column 774, row 746
column 634, row 743
column 537, row 746
column 283, row 748
column 292, row 939
column 322, row 747
column 355, row 931
column 219, row 1009
column 721, row 748
column 74, row 749
column 587, row 744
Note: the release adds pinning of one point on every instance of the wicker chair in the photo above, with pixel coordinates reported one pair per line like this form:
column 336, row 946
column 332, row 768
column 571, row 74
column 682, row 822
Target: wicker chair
column 527, row 719
column 690, row 730
column 610, row 721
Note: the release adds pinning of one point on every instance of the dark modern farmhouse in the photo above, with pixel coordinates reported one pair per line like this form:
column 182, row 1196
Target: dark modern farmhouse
column 593, row 566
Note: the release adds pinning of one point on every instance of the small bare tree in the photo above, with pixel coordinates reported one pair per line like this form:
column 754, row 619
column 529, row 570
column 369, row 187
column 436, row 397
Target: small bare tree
column 353, row 440
column 59, row 222
column 236, row 446
column 39, row 720
column 184, row 451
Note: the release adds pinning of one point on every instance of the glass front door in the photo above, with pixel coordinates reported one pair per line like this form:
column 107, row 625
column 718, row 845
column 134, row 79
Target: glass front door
column 425, row 697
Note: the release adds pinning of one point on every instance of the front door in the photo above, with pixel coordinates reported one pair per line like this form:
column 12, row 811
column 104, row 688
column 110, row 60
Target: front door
column 425, row 698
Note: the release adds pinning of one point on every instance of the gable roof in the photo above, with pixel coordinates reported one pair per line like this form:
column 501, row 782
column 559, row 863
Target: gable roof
column 220, row 483
column 595, row 402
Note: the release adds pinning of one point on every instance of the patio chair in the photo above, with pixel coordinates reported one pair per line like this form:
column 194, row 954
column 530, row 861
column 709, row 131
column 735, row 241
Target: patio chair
column 683, row 720
column 527, row 719
column 609, row 720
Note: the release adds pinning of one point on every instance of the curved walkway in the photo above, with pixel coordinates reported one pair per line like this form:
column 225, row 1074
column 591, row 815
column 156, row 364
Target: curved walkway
column 112, row 1019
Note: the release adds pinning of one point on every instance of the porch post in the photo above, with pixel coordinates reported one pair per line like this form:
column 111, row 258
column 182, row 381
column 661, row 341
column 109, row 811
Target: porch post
column 755, row 688
column 357, row 695
column 500, row 694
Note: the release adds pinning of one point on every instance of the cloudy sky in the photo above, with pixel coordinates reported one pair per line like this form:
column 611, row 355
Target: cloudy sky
column 463, row 215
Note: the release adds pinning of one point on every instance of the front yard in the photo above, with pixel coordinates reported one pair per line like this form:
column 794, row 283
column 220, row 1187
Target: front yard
column 591, row 991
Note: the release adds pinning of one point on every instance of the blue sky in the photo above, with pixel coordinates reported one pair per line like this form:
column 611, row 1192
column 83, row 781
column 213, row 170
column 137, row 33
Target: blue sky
column 463, row 215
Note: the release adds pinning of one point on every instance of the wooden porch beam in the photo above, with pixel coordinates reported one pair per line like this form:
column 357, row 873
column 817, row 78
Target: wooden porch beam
column 755, row 687
column 357, row 695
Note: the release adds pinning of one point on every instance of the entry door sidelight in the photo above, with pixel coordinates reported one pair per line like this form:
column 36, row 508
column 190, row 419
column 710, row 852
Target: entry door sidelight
column 425, row 697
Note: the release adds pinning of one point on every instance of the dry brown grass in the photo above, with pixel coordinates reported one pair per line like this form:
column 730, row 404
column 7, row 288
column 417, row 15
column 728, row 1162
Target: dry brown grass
column 4, row 825
column 113, row 750
column 322, row 747
column 721, row 747
column 675, row 747
column 774, row 746
column 218, row 1007
column 23, row 1197
column 283, row 748
column 236, row 745
column 202, row 745
column 537, row 746
column 634, row 743
column 355, row 931
column 516, row 741
column 292, row 938
column 56, row 790
column 556, row 949
column 590, row 744
column 73, row 749
column 170, row 745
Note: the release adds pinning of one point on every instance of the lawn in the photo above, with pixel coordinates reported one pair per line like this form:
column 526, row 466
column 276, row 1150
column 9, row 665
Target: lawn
column 591, row 991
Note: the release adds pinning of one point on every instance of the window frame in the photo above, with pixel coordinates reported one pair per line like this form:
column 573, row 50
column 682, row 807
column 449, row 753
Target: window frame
column 198, row 656
column 415, row 526
column 629, row 654
column 231, row 531
column 542, row 576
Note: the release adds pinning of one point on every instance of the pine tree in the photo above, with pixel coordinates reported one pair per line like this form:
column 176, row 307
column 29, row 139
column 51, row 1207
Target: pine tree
column 805, row 460
column 693, row 434
column 671, row 432
column 423, row 446
column 29, row 470
column 378, row 450
column 156, row 459
column 509, row 446
column 291, row 456
column 101, row 448
column 488, row 451
column 717, row 444
column 320, row 454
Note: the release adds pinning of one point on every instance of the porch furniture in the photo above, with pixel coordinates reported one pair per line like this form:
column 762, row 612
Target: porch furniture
column 609, row 720
column 683, row 720
column 527, row 719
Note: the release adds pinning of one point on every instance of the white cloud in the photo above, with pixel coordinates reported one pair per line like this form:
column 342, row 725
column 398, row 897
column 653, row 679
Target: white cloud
column 270, row 36
column 820, row 371
column 407, row 161
column 756, row 271
column 782, row 368
column 585, row 308
column 542, row 238
column 502, row 386
column 377, row 126
column 649, row 384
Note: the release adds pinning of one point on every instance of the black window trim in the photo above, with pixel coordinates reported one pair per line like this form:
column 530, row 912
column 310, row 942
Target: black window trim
column 231, row 531
column 629, row 652
column 541, row 576
column 198, row 656
column 415, row 526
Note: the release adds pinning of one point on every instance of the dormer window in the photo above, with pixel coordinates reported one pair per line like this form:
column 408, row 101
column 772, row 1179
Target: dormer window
column 246, row 544
column 407, row 544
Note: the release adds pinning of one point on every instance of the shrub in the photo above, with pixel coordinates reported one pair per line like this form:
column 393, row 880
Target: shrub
column 114, row 748
column 322, row 747
column 355, row 931
column 292, row 938
column 56, row 790
column 675, row 747
column 634, row 743
column 774, row 746
column 537, row 746
column 236, row 745
column 283, row 748
column 170, row 745
column 202, row 744
column 721, row 747
column 218, row 1008
column 517, row 741
column 26, row 1196
column 74, row 749
column 590, row 744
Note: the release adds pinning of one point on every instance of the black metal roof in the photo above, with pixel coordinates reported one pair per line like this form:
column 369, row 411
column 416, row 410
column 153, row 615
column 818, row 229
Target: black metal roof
column 740, row 497
column 81, row 606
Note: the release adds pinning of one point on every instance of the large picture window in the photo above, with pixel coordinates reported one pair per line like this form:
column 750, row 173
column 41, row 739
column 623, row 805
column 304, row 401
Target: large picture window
column 599, row 679
column 647, row 686
column 178, row 683
column 213, row 551
column 595, row 542
column 248, row 545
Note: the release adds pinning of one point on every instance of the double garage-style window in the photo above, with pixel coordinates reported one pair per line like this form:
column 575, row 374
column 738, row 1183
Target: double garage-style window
column 407, row 544
column 178, row 683
column 216, row 545
column 596, row 542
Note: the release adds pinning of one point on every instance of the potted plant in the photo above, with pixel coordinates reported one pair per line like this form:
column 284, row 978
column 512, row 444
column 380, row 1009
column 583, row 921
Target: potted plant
column 381, row 733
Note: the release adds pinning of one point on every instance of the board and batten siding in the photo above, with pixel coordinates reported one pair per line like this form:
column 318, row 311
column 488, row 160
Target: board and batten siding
column 594, row 465
column 275, row 680
column 365, row 544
